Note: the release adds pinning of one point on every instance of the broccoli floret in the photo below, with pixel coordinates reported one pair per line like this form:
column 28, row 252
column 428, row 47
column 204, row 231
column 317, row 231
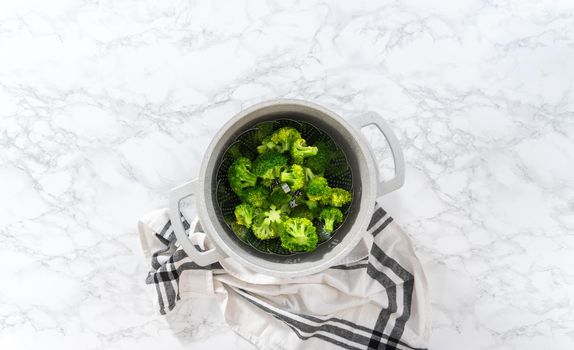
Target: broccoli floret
column 311, row 204
column 257, row 196
column 244, row 214
column 263, row 130
column 240, row 231
column 309, row 174
column 284, row 138
column 319, row 162
column 301, row 211
column 295, row 177
column 267, row 182
column 300, row 151
column 267, row 223
column 266, row 210
column 240, row 175
column 299, row 235
column 331, row 217
column 266, row 145
column 279, row 198
column 269, row 165
column 318, row 189
column 314, row 206
column 338, row 197
column 280, row 141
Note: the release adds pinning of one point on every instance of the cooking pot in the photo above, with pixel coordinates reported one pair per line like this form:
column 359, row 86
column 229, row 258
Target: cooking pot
column 367, row 186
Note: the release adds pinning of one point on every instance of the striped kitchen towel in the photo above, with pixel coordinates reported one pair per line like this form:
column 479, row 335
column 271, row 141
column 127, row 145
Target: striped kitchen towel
column 376, row 299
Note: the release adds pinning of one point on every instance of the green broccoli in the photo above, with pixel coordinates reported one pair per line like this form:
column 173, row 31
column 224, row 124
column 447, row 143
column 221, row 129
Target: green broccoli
column 331, row 217
column 315, row 207
column 260, row 175
column 284, row 138
column 263, row 130
column 267, row 223
column 318, row 189
column 256, row 196
column 301, row 211
column 300, row 151
column 279, row 198
column 299, row 235
column 266, row 145
column 240, row 231
column 240, row 175
column 311, row 204
column 309, row 174
column 295, row 177
column 244, row 214
column 269, row 165
column 267, row 182
column 319, row 162
column 338, row 197
column 302, row 200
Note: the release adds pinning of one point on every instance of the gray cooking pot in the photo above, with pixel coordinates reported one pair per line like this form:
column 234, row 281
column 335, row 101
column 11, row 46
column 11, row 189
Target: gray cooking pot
column 366, row 188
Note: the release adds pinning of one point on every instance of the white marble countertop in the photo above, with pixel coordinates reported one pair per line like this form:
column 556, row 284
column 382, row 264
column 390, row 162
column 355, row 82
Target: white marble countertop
column 106, row 105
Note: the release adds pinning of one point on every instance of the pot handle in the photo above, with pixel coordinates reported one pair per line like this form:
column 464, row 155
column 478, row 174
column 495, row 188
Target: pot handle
column 200, row 258
column 373, row 118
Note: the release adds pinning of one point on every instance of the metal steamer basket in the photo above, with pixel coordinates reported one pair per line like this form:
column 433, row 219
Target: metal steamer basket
column 360, row 167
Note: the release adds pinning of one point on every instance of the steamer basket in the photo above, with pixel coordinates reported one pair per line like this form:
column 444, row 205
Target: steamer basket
column 338, row 173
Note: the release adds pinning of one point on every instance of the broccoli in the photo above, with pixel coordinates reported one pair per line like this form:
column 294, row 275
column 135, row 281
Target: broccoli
column 304, row 216
column 318, row 189
column 268, row 165
column 300, row 151
column 331, row 217
column 267, row 223
column 240, row 175
column 268, row 183
column 308, row 203
column 266, row 145
column 279, row 198
column 319, row 162
column 256, row 196
column 284, row 138
column 263, row 130
column 339, row 197
column 301, row 211
column 244, row 214
column 299, row 235
column 280, row 141
column 240, row 231
column 311, row 204
column 302, row 200
column 295, row 178
column 314, row 206
column 308, row 174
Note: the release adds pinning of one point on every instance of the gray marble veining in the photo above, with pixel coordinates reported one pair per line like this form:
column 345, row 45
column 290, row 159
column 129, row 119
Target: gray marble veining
column 106, row 105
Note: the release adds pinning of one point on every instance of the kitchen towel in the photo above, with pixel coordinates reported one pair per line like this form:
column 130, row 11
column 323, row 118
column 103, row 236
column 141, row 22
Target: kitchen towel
column 376, row 298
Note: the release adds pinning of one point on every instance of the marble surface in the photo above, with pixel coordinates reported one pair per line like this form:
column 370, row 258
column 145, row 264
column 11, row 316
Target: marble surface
column 106, row 105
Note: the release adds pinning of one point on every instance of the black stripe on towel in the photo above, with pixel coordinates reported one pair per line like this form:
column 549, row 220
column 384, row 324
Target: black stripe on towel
column 407, row 288
column 377, row 216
